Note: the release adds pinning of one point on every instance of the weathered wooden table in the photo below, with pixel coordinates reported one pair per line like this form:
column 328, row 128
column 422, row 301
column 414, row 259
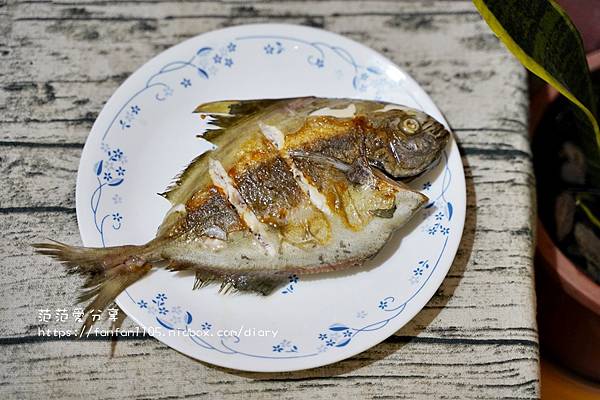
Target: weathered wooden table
column 59, row 63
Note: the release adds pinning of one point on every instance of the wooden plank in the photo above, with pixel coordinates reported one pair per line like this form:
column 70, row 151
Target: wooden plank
column 79, row 76
column 59, row 63
column 34, row 176
column 124, row 10
column 149, row 369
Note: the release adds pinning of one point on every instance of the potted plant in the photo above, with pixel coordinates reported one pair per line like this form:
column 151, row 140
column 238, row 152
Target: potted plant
column 567, row 242
column 566, row 148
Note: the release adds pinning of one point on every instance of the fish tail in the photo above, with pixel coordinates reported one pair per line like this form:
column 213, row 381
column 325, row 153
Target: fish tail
column 107, row 271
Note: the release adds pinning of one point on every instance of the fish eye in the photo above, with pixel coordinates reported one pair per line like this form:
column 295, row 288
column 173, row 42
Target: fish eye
column 410, row 126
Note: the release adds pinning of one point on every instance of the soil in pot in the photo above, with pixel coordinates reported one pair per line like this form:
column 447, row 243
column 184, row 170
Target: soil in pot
column 566, row 188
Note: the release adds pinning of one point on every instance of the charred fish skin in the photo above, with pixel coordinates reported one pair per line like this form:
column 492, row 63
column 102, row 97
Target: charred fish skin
column 296, row 185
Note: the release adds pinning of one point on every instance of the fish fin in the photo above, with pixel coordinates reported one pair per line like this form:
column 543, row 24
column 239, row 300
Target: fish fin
column 227, row 113
column 221, row 107
column 181, row 176
column 107, row 271
column 203, row 279
column 262, row 282
column 116, row 326
column 321, row 159
column 359, row 172
column 358, row 168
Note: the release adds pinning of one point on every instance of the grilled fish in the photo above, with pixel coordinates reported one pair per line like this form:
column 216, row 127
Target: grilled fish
column 299, row 185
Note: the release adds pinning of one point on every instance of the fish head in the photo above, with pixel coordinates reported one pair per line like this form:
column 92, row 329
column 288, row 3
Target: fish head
column 404, row 141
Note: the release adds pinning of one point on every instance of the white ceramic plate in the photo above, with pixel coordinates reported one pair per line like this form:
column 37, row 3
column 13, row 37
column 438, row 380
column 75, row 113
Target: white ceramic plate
column 146, row 134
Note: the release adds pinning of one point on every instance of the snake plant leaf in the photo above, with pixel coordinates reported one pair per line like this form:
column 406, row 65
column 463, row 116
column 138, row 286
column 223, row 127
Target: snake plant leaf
column 541, row 35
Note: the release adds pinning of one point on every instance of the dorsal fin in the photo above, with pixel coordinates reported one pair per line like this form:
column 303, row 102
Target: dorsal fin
column 181, row 177
column 227, row 113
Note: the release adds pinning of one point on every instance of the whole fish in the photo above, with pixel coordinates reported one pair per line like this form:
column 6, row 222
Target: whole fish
column 294, row 186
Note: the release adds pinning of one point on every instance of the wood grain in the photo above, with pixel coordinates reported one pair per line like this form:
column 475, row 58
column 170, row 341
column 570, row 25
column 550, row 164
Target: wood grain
column 59, row 63
column 148, row 369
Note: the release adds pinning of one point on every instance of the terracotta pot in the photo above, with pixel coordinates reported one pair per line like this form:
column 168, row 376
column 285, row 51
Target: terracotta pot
column 568, row 300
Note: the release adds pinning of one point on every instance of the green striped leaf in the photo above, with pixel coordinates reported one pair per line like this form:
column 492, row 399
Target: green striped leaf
column 541, row 35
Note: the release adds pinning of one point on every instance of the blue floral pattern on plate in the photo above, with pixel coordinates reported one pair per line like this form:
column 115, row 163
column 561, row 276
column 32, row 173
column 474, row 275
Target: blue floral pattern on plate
column 110, row 173
column 187, row 74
